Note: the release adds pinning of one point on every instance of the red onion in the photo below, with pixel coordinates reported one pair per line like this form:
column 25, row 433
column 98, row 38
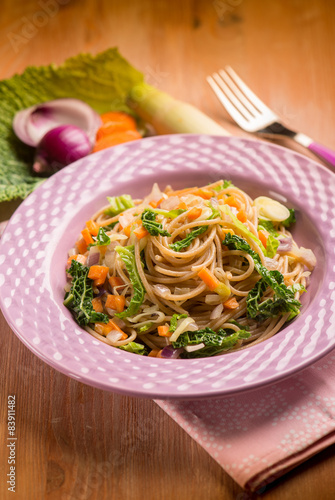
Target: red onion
column 285, row 244
column 169, row 352
column 93, row 258
column 31, row 124
column 60, row 147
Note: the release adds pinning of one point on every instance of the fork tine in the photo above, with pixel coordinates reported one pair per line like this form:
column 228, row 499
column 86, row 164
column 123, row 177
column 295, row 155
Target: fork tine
column 231, row 96
column 234, row 113
column 247, row 92
column 241, row 97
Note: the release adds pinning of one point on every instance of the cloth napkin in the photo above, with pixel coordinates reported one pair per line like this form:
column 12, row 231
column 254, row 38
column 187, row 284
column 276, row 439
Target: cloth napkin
column 259, row 435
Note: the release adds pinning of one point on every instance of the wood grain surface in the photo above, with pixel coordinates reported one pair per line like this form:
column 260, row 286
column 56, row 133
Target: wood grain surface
column 76, row 442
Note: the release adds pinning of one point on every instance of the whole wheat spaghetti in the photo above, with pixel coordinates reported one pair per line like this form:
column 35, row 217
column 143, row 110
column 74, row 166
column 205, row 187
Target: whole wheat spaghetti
column 187, row 273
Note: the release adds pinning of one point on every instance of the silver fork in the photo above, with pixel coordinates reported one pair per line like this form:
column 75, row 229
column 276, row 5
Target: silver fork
column 252, row 115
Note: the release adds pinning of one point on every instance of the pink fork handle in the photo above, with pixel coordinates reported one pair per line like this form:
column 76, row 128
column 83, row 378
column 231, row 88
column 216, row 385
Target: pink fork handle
column 323, row 152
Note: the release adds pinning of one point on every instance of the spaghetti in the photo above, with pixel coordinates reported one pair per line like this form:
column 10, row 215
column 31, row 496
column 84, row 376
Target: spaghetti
column 187, row 273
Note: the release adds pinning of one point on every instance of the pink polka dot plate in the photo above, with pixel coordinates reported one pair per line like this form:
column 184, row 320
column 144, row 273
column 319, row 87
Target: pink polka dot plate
column 33, row 253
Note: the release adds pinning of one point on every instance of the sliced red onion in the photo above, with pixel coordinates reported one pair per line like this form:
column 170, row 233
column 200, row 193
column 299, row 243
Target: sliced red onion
column 60, row 147
column 285, row 244
column 93, row 257
column 101, row 292
column 31, row 124
column 169, row 352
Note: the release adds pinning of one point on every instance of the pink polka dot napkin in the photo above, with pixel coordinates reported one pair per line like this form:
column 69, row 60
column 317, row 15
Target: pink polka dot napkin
column 259, row 435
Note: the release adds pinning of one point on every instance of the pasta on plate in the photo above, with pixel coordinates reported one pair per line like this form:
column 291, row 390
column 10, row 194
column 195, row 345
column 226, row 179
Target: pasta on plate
column 187, row 273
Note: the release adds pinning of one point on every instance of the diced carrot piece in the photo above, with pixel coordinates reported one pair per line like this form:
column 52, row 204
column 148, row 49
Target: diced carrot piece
column 93, row 227
column 105, row 328
column 163, row 331
column 194, row 213
column 159, row 354
column 230, row 303
column 72, row 257
column 115, row 281
column 116, row 138
column 232, row 201
column 204, row 193
column 182, row 206
column 208, row 278
column 154, row 353
column 263, row 236
column 127, row 230
column 81, row 245
column 97, row 305
column 98, row 274
column 116, row 302
column 140, row 232
column 242, row 216
column 87, row 236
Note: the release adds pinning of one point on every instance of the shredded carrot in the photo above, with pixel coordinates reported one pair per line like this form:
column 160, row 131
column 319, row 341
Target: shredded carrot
column 181, row 192
column 81, row 245
column 116, row 302
column 194, row 213
column 140, row 232
column 115, row 281
column 93, row 227
column 87, row 236
column 242, row 216
column 230, row 303
column 208, row 278
column 163, row 331
column 263, row 235
column 116, row 138
column 97, row 305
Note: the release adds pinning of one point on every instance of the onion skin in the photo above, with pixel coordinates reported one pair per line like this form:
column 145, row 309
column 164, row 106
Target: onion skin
column 59, row 147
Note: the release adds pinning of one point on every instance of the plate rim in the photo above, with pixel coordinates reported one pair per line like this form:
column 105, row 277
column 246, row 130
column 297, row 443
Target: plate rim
column 91, row 379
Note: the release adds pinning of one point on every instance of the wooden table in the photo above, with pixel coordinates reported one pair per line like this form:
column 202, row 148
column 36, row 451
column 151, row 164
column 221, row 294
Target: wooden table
column 76, row 442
